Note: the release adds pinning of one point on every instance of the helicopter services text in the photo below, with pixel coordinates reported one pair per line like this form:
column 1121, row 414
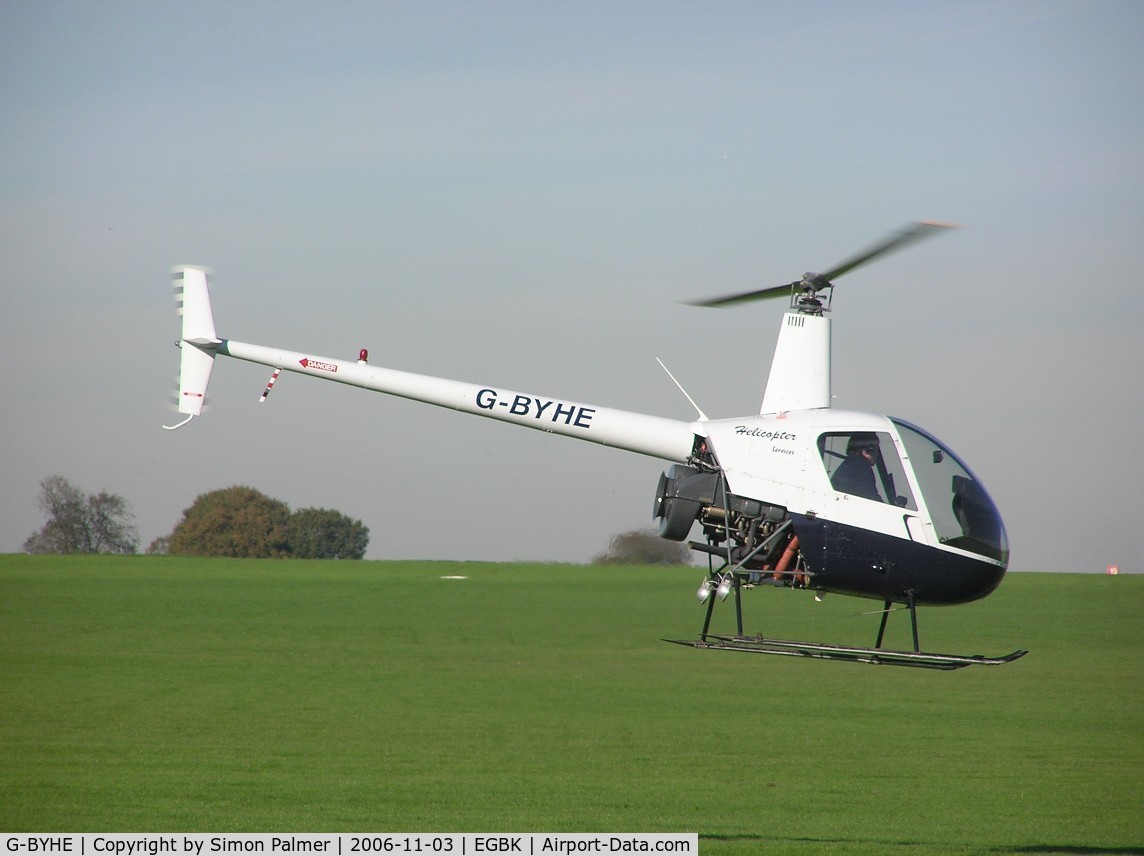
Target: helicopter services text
column 745, row 431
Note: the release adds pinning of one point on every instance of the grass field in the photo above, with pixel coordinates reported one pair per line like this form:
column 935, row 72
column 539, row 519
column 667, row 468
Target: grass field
column 167, row 694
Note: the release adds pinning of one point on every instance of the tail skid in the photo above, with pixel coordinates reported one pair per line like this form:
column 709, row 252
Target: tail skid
column 180, row 424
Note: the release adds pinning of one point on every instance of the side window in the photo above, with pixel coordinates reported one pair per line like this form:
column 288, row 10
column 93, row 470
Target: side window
column 866, row 464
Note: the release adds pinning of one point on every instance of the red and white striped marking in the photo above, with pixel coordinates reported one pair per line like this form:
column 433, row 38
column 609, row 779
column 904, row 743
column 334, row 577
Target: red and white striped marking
column 270, row 385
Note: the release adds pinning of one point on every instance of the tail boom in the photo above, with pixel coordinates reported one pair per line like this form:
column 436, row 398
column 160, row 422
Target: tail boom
column 669, row 439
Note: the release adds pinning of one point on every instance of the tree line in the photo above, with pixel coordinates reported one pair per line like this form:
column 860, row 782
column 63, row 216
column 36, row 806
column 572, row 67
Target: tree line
column 238, row 522
column 241, row 522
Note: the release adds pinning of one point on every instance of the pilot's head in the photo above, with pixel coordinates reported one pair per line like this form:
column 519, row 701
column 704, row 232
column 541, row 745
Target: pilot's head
column 864, row 444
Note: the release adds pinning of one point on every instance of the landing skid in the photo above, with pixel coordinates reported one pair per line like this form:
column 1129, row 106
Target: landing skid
column 877, row 656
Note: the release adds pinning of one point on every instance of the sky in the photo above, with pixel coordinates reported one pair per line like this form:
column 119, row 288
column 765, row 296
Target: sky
column 524, row 195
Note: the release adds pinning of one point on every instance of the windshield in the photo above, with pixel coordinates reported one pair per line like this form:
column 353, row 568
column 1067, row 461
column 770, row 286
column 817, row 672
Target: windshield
column 963, row 514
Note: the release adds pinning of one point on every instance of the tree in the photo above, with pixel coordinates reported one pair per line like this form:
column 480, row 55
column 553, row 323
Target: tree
column 161, row 546
column 321, row 533
column 643, row 547
column 78, row 523
column 238, row 521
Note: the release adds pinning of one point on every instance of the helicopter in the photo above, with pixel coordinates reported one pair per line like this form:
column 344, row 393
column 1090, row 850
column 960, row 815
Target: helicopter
column 800, row 495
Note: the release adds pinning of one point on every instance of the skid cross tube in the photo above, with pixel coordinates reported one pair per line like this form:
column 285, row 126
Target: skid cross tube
column 887, row 607
column 713, row 594
column 914, row 618
column 710, row 607
column 738, row 605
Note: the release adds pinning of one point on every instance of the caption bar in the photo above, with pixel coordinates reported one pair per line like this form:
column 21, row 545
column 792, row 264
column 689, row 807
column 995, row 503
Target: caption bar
column 349, row 844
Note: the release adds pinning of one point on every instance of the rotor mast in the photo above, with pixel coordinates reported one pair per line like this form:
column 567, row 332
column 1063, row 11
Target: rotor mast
column 800, row 368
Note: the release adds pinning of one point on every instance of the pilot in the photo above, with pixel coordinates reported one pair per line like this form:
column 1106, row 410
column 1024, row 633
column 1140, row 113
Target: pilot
column 855, row 475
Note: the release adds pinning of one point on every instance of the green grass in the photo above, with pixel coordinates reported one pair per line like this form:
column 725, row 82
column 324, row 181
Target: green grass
column 166, row 694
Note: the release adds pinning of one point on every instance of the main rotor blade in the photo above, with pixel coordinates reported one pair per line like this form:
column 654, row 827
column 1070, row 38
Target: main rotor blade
column 745, row 296
column 816, row 281
column 896, row 241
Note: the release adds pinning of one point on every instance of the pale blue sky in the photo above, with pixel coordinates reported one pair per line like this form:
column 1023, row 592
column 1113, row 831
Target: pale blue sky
column 520, row 194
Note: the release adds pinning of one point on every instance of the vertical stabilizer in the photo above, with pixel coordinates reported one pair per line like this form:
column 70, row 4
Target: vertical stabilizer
column 190, row 284
column 199, row 341
column 800, row 370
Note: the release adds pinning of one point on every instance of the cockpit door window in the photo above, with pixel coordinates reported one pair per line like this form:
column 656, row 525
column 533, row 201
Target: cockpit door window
column 866, row 464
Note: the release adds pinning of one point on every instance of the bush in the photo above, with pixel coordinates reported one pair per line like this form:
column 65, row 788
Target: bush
column 643, row 547
column 321, row 533
column 243, row 523
column 239, row 522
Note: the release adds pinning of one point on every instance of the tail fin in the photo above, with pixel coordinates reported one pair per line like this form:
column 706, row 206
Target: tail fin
column 199, row 341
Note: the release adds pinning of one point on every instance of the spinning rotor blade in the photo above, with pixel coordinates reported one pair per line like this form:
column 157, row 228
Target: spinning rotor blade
column 896, row 241
column 746, row 296
column 814, row 281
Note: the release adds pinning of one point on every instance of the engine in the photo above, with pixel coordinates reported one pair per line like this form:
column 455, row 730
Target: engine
column 743, row 531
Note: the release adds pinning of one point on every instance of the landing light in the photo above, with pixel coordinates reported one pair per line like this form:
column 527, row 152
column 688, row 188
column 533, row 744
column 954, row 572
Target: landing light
column 725, row 587
column 704, row 591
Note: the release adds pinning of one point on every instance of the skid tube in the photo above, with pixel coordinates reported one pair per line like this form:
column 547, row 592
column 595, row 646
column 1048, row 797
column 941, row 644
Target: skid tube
column 823, row 651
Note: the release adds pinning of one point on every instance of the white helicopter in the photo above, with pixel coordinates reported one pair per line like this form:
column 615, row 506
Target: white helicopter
column 800, row 495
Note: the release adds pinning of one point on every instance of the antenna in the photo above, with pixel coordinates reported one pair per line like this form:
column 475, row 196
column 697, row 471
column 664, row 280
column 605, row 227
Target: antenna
column 702, row 415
